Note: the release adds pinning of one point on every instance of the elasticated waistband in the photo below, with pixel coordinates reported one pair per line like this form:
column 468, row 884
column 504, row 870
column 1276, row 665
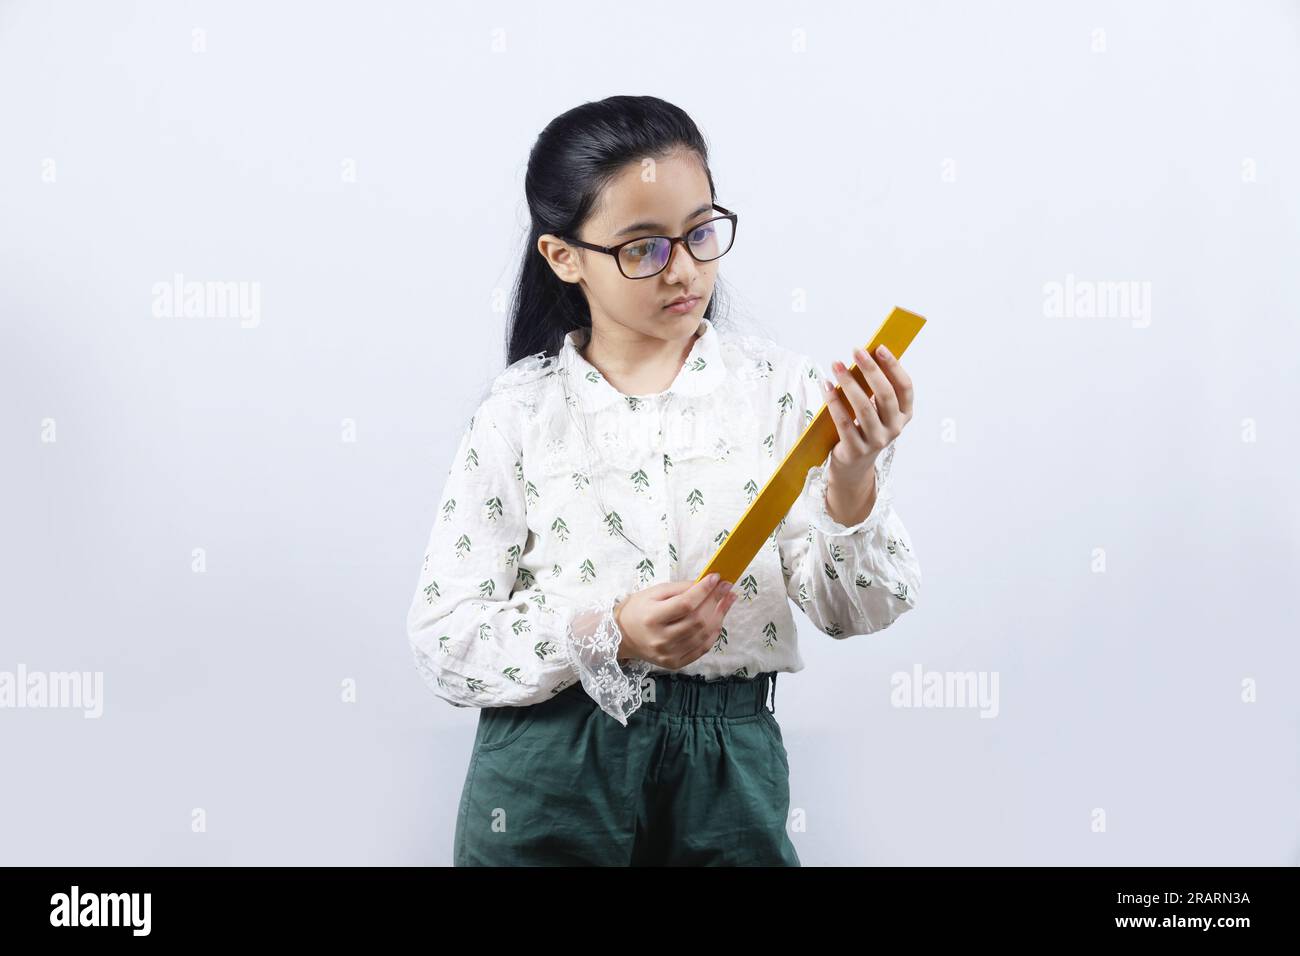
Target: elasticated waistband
column 689, row 695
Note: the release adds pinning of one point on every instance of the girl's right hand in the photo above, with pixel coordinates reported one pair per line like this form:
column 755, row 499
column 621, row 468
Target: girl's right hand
column 673, row 623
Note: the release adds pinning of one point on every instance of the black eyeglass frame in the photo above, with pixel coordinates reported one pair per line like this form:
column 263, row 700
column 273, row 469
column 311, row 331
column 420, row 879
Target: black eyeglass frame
column 672, row 241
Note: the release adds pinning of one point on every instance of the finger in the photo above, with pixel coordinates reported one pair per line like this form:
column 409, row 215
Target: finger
column 874, row 430
column 843, row 418
column 719, row 612
column 712, row 629
column 893, row 368
column 685, row 604
column 696, row 623
column 858, row 399
column 882, row 389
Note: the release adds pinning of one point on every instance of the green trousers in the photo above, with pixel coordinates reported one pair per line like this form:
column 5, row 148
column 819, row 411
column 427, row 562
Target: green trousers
column 698, row 777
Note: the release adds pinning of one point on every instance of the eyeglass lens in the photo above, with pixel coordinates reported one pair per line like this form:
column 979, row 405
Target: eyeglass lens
column 648, row 256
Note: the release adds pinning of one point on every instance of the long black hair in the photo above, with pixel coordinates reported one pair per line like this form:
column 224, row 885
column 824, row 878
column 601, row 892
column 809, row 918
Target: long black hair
column 575, row 157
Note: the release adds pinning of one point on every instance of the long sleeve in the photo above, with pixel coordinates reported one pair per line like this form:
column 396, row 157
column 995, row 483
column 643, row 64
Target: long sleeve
column 482, row 632
column 848, row 580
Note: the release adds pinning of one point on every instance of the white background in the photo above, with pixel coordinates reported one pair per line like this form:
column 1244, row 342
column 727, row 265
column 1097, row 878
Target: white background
column 952, row 158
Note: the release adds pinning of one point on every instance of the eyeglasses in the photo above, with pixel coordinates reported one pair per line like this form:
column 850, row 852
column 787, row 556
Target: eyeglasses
column 648, row 255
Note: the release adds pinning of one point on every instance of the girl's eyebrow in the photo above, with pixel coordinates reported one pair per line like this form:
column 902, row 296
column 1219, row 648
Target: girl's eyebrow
column 640, row 226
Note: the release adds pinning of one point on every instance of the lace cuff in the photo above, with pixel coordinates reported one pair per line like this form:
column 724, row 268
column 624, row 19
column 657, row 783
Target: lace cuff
column 592, row 643
column 821, row 518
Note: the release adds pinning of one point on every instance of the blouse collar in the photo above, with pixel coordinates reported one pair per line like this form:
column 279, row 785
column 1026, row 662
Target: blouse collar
column 699, row 374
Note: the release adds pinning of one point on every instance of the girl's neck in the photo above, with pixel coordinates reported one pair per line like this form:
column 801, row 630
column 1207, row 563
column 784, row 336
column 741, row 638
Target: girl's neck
column 637, row 364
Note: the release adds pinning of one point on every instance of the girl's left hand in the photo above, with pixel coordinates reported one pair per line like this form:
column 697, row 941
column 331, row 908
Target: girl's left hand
column 880, row 416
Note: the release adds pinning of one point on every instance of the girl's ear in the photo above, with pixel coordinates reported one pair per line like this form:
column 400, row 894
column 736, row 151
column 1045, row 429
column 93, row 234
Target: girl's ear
column 560, row 256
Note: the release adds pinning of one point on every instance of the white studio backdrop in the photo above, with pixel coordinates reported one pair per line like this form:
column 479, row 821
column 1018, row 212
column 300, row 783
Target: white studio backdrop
column 1097, row 207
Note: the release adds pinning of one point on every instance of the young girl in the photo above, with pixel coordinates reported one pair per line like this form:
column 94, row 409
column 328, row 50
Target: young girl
column 623, row 708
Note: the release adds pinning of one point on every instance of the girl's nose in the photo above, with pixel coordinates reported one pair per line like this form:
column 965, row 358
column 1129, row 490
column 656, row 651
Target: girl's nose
column 680, row 263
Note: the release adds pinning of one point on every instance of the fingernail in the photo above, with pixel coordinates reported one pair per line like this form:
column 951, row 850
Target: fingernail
column 726, row 586
column 838, row 366
column 884, row 352
column 713, row 579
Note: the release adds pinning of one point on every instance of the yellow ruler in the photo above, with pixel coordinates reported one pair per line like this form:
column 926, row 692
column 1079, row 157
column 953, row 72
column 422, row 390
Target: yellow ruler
column 814, row 445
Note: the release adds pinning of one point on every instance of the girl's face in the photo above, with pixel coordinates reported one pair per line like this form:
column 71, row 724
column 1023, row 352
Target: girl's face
column 665, row 198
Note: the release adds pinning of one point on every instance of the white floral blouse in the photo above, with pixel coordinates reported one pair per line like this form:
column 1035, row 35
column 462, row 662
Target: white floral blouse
column 565, row 495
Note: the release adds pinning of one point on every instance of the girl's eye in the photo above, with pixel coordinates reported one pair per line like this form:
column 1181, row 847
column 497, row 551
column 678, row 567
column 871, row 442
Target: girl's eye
column 638, row 250
column 702, row 233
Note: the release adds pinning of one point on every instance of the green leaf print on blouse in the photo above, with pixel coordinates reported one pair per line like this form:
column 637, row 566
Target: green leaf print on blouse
column 614, row 523
column 668, row 463
column 695, row 500
column 769, row 634
column 721, row 642
column 521, row 626
column 837, row 554
column 720, row 537
column 431, row 592
column 831, row 573
column 785, row 403
column 699, row 365
column 751, row 490
column 900, row 591
column 474, row 685
column 462, row 546
column 645, row 570
column 862, row 581
column 749, row 587
column 448, row 509
column 487, row 588
column 492, row 509
column 545, row 649
column 672, row 552
column 770, row 444
column 834, row 630
column 519, row 470
column 892, row 544
column 633, row 402
column 580, row 480
column 586, row 571
column 531, row 494
column 560, row 529
column 485, row 632
column 512, row 555
column 525, row 580
column 471, row 460
column 639, row 481
column 512, row 673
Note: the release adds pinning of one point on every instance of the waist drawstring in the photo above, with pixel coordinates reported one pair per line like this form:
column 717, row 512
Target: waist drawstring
column 772, row 709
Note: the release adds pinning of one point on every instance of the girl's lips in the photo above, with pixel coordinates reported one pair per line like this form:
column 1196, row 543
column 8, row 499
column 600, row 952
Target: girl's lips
column 681, row 307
